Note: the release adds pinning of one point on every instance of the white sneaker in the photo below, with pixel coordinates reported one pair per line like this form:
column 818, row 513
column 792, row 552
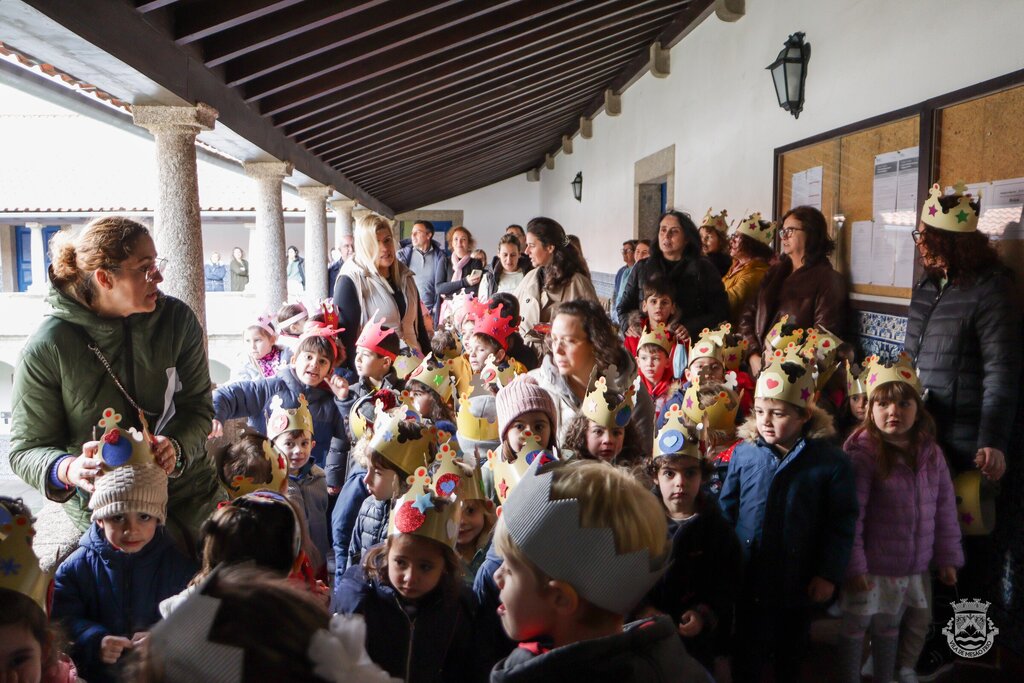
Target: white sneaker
column 869, row 668
column 907, row 675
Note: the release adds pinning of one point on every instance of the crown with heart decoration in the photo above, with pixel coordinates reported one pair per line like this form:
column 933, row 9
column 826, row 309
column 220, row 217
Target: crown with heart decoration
column 283, row 419
column 421, row 512
column 960, row 218
column 716, row 221
column 499, row 374
column 732, row 347
column 508, row 474
column 19, row 566
column 456, row 475
column 787, row 377
column 823, row 347
column 609, row 414
column 877, row 373
column 757, row 228
column 782, row 334
column 675, row 438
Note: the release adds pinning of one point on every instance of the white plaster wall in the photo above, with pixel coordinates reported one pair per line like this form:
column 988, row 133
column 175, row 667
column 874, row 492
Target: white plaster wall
column 718, row 106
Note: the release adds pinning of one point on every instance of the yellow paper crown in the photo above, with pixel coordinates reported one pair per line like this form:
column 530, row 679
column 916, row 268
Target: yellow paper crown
column 436, row 375
column 120, row 447
column 508, row 474
column 856, row 383
column 720, row 412
column 716, row 221
column 472, row 427
column 420, row 512
column 404, row 364
column 500, row 374
column 878, row 373
column 731, row 346
column 241, row 485
column 707, row 346
column 823, row 347
column 788, row 377
column 405, row 451
column 782, row 334
column 455, row 475
column 19, row 566
column 289, row 419
column 597, row 408
column 961, row 218
column 659, row 336
column 674, row 438
column 752, row 227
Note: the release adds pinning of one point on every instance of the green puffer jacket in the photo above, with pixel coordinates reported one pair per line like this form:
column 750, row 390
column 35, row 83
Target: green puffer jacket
column 61, row 389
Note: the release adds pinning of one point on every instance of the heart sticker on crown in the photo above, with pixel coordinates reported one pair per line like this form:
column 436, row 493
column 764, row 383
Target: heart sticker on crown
column 771, row 383
column 447, row 484
column 671, row 441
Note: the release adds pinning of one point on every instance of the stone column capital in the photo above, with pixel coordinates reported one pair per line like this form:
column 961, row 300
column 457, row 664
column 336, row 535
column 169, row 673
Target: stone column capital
column 159, row 117
column 267, row 170
column 314, row 192
column 343, row 205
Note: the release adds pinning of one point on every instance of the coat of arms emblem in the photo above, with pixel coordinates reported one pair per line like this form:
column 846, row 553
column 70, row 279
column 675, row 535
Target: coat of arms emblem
column 970, row 632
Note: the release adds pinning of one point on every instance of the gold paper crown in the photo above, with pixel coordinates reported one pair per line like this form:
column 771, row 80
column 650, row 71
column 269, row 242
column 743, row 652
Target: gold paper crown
column 779, row 337
column 289, row 419
column 878, row 373
column 420, row 512
column 508, row 474
column 752, row 227
column 659, row 336
column 720, row 413
column 462, row 373
column 823, row 347
column 456, row 475
column 732, row 346
column 707, row 346
column 404, row 451
column 961, row 218
column 241, row 485
column 405, row 362
column 674, row 438
column 597, row 408
column 716, row 222
column 856, row 383
column 120, row 447
column 436, row 375
column 500, row 374
column 472, row 427
column 19, row 566
column 788, row 378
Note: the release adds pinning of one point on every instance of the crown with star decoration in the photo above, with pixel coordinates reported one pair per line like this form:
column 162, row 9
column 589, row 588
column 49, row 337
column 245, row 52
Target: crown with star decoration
column 675, row 438
column 19, row 566
column 961, row 218
column 491, row 323
column 659, row 336
column 596, row 407
column 507, row 475
column 373, row 334
column 241, row 485
column 405, row 362
column 856, row 382
column 755, row 227
column 329, row 310
column 407, row 448
column 716, row 221
column 732, row 346
column 877, row 373
column 421, row 512
column 472, row 427
column 123, row 447
column 782, row 334
column 498, row 374
column 435, row 374
column 455, row 474
column 823, row 347
column 720, row 411
column 788, row 377
column 283, row 419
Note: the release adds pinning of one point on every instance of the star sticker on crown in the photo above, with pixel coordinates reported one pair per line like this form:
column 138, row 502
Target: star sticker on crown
column 423, row 503
column 961, row 217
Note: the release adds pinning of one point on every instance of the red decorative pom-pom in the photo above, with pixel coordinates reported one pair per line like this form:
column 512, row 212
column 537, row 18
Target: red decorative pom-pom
column 408, row 519
column 112, row 437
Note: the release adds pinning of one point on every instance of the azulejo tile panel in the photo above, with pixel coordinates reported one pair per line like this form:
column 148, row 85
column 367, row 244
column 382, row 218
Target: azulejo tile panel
column 880, row 334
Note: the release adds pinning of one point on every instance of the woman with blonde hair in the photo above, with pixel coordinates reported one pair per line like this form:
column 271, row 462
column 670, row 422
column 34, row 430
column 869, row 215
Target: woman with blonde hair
column 374, row 284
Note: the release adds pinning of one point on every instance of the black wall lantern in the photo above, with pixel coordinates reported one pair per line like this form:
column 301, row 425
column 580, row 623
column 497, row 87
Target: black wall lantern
column 577, row 187
column 789, row 71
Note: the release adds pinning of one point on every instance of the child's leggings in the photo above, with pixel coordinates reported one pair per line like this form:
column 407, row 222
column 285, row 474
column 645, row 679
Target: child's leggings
column 914, row 630
column 885, row 629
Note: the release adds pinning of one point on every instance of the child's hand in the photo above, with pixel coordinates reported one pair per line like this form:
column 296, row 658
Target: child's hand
column 859, row 584
column 82, row 470
column 163, row 453
column 691, row 624
column 991, row 462
column 820, row 590
column 140, row 641
column 947, row 575
column 333, row 490
column 680, row 333
column 111, row 648
column 339, row 386
column 217, row 430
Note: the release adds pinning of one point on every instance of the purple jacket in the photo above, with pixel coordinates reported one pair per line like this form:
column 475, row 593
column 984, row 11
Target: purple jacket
column 907, row 520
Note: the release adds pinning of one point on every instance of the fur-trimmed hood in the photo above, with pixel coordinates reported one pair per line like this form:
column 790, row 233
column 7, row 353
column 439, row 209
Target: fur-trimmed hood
column 820, row 426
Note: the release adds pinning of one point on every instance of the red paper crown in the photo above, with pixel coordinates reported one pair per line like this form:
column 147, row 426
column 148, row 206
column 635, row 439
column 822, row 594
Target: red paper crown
column 490, row 322
column 373, row 334
column 330, row 313
column 328, row 332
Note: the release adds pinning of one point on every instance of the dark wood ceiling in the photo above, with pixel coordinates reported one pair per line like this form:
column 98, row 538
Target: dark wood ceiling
column 415, row 101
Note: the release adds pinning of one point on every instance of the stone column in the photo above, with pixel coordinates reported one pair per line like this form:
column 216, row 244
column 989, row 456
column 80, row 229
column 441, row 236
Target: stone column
column 267, row 263
column 177, row 229
column 315, row 197
column 40, row 283
column 344, row 222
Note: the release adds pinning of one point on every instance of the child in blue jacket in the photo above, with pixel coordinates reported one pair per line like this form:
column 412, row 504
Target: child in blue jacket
column 790, row 495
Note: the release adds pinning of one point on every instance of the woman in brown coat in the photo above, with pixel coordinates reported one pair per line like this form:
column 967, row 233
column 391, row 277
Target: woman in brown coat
column 802, row 284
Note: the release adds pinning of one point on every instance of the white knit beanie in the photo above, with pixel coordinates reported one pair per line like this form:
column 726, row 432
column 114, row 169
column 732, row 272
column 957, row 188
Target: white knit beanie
column 130, row 488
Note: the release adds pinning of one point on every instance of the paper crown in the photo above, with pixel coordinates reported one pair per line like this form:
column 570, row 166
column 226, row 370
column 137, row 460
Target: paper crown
column 877, row 372
column 613, row 414
column 120, row 447
column 404, row 363
column 549, row 532
column 491, row 323
column 507, row 475
column 455, row 475
column 379, row 401
column 324, row 331
column 19, row 566
column 462, row 374
column 823, row 347
column 421, row 512
column 406, row 446
column 856, row 383
column 782, row 334
column 755, row 227
column 472, row 427
column 705, row 347
column 716, row 221
column 498, row 374
column 975, row 504
column 731, row 345
column 329, row 311
column 283, row 419
column 266, row 323
column 674, row 438
column 787, row 377
column 373, row 335
column 241, row 485
column 657, row 335
column 719, row 411
column 960, row 218
column 435, row 374
column 462, row 306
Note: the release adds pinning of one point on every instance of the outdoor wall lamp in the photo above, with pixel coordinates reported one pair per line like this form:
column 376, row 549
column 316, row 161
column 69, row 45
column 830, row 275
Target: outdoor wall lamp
column 577, row 187
column 789, row 71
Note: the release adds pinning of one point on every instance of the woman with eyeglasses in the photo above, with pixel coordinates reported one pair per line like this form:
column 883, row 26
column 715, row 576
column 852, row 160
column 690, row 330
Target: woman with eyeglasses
column 113, row 340
column 802, row 284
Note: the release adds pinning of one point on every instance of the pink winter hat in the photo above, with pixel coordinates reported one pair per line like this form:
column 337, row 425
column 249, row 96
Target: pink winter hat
column 523, row 395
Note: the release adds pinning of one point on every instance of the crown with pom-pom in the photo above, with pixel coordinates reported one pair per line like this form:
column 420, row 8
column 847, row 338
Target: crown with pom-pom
column 241, row 485
column 755, row 227
column 823, row 347
column 787, row 377
column 960, row 218
column 456, row 475
column 422, row 512
column 675, row 438
column 472, row 427
column 719, row 411
column 716, row 221
column 732, row 347
column 406, row 451
column 373, row 335
column 659, row 336
column 596, row 407
column 856, row 383
column 19, row 566
column 491, row 323
column 498, row 374
column 507, row 475
column 121, row 447
column 877, row 372
column 782, row 334
column 435, row 374
column 283, row 419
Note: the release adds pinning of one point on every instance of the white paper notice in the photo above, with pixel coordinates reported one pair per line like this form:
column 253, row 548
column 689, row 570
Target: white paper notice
column 814, row 177
column 902, row 244
column 882, row 260
column 860, row 257
column 906, row 192
column 886, row 186
column 799, row 193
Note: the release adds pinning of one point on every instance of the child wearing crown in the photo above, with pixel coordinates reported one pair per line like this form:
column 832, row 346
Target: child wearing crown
column 604, row 429
column 419, row 624
column 654, row 361
column 790, row 496
column 907, row 522
column 711, row 407
column 581, row 545
column 430, row 388
column 107, row 592
column 377, row 349
column 658, row 308
column 262, row 356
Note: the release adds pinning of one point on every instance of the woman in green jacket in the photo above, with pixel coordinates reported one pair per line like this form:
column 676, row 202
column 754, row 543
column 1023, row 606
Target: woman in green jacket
column 113, row 340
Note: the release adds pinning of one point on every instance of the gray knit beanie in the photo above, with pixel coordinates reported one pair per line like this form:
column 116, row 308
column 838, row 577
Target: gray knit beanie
column 130, row 488
column 523, row 395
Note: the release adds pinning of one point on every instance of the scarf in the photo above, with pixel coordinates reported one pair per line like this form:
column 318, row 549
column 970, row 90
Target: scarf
column 269, row 364
column 458, row 264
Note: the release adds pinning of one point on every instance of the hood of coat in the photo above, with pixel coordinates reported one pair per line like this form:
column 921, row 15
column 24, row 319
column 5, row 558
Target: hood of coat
column 821, row 426
column 65, row 307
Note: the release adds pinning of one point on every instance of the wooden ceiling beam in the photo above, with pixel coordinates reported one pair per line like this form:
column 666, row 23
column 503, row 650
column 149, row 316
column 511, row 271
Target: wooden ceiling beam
column 203, row 20
column 153, row 5
column 475, row 167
